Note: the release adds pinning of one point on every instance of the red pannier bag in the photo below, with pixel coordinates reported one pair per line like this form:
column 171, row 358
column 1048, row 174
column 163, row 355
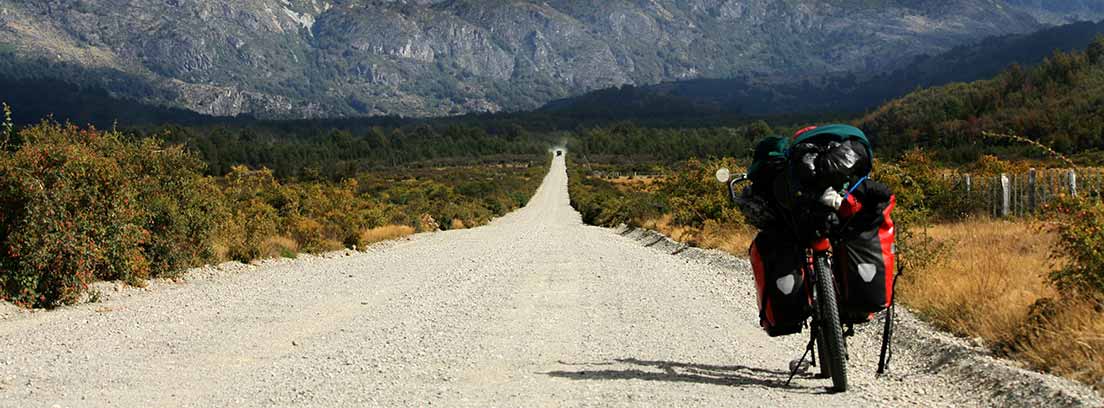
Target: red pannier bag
column 865, row 258
column 780, row 268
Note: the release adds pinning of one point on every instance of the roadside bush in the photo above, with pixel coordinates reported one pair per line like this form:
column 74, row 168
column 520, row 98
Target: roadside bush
column 600, row 203
column 250, row 219
column 339, row 212
column 1079, row 224
column 69, row 216
column 181, row 207
column 308, row 233
column 694, row 195
column 79, row 205
column 924, row 192
column 923, row 196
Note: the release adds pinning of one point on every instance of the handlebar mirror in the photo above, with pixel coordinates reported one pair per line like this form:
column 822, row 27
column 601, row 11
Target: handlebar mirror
column 723, row 175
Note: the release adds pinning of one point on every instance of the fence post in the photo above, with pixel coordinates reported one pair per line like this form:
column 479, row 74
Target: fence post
column 1032, row 190
column 1006, row 195
column 1053, row 189
column 1017, row 195
column 993, row 199
column 969, row 185
column 1073, row 183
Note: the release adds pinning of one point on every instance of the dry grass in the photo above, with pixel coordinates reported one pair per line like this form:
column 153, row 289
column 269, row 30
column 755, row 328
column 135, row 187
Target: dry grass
column 279, row 247
column 328, row 245
column 385, row 233
column 220, row 251
column 664, row 226
column 635, row 183
column 729, row 238
column 993, row 285
column 986, row 284
column 457, row 224
column 1066, row 338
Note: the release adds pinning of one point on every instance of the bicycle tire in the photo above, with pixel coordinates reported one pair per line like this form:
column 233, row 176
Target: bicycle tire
column 831, row 331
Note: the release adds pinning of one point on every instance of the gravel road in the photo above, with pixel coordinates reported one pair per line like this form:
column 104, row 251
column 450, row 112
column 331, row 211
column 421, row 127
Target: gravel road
column 535, row 309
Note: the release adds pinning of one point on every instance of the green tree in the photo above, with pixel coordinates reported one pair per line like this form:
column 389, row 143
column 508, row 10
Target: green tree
column 1096, row 50
column 8, row 129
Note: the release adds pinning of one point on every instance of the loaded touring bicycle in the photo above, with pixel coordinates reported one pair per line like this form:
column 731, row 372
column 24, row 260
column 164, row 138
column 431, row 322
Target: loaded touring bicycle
column 825, row 255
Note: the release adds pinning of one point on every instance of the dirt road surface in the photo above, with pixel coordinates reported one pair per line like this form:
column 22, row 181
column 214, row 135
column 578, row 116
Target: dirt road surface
column 535, row 309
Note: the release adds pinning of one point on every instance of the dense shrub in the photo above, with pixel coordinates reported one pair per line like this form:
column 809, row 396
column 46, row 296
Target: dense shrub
column 694, row 195
column 331, row 216
column 250, row 218
column 926, row 192
column 471, row 195
column 689, row 193
column 600, row 203
column 69, row 215
column 1079, row 224
column 181, row 208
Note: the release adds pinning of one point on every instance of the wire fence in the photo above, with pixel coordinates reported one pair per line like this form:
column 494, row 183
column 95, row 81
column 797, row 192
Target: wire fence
column 1021, row 194
column 1005, row 195
column 623, row 174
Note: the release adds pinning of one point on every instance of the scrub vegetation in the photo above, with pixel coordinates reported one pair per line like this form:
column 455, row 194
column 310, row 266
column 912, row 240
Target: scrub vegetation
column 79, row 205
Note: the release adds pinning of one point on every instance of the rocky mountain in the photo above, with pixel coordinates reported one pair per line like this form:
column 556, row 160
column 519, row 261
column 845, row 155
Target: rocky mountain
column 1062, row 11
column 315, row 58
column 703, row 99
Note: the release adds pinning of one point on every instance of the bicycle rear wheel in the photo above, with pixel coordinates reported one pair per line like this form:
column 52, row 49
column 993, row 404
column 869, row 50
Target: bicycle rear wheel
column 833, row 351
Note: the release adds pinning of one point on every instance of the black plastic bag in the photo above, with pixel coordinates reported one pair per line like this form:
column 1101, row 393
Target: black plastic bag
column 803, row 159
column 842, row 163
column 819, row 165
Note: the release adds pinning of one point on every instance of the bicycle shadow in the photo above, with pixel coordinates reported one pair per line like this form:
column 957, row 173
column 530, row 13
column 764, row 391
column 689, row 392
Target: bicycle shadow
column 669, row 371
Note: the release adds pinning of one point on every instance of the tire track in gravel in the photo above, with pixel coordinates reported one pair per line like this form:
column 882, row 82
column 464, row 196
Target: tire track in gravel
column 534, row 309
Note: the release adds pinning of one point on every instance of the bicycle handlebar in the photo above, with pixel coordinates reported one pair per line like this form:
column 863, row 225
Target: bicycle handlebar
column 732, row 186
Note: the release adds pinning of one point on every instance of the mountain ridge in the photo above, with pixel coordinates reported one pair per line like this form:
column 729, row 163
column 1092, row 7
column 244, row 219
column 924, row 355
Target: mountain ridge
column 312, row 58
column 829, row 94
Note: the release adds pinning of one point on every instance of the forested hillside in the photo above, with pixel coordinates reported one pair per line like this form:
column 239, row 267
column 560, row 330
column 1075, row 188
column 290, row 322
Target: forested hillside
column 1059, row 103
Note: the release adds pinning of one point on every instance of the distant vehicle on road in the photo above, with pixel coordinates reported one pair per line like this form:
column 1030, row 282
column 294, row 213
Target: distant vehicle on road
column 559, row 153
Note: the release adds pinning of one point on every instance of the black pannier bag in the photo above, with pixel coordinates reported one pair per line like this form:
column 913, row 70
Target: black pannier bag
column 780, row 268
column 865, row 255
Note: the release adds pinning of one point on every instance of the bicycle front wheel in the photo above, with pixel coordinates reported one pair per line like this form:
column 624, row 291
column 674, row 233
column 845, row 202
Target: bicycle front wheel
column 830, row 334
